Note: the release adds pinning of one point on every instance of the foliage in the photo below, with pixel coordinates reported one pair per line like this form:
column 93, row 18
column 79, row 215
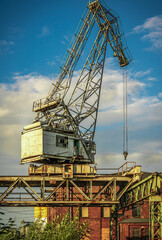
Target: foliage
column 1, row 223
column 59, row 229
column 8, row 230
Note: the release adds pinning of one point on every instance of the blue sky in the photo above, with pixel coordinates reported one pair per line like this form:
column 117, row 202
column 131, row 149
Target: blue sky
column 34, row 36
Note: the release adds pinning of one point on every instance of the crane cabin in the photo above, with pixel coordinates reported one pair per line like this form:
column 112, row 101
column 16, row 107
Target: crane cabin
column 40, row 144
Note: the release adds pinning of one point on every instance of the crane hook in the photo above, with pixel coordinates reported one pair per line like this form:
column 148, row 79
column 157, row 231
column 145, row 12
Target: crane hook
column 125, row 153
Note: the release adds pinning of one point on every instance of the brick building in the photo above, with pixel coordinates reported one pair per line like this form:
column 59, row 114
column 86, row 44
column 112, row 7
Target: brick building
column 133, row 223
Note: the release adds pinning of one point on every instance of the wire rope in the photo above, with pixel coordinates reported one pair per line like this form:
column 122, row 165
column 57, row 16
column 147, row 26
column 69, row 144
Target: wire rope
column 125, row 114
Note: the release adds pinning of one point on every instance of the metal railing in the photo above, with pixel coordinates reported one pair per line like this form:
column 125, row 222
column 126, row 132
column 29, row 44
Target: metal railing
column 126, row 167
column 45, row 101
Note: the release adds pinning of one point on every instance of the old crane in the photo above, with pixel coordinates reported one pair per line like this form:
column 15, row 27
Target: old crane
column 64, row 127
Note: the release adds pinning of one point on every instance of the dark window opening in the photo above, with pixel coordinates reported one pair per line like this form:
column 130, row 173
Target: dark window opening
column 147, row 233
column 67, row 168
column 76, row 147
column 61, row 141
column 136, row 211
column 136, row 234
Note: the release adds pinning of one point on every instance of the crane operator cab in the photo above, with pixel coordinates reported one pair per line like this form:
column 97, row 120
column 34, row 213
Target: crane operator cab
column 43, row 145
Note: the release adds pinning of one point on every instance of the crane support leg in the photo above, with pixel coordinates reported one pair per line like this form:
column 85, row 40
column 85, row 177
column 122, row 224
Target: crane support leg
column 155, row 204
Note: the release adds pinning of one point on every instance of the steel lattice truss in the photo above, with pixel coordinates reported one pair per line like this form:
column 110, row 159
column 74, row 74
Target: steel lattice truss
column 79, row 111
column 57, row 191
column 147, row 189
column 142, row 190
column 118, row 192
column 155, row 217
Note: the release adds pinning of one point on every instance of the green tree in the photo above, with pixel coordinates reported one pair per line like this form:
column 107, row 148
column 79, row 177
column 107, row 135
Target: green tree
column 59, row 229
column 8, row 231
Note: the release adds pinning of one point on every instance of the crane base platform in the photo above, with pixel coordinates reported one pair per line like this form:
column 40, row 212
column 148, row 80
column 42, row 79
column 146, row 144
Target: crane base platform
column 65, row 170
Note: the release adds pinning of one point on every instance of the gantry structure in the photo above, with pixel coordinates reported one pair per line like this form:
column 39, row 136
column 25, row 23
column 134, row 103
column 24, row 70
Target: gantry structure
column 119, row 191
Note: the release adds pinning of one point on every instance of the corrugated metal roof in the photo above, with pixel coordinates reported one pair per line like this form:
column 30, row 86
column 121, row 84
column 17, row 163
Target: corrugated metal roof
column 135, row 220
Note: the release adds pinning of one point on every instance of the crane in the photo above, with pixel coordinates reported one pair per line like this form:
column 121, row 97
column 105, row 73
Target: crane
column 66, row 119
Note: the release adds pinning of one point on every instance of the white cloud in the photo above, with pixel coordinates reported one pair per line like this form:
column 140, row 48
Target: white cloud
column 145, row 116
column 160, row 95
column 145, row 112
column 5, row 43
column 6, row 47
column 142, row 112
column 67, row 38
column 150, row 23
column 148, row 161
column 51, row 63
column 152, row 31
column 44, row 32
column 142, row 73
column 151, row 79
column 144, row 122
column 145, row 75
column 16, row 108
column 3, row 112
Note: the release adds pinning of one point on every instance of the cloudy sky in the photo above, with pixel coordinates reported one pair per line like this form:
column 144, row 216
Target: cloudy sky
column 34, row 36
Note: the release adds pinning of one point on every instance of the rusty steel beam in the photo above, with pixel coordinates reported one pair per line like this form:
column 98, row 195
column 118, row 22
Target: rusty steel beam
column 35, row 180
column 9, row 190
column 30, row 193
column 142, row 190
column 30, row 187
column 55, row 189
column 67, row 190
column 79, row 190
column 98, row 194
column 124, row 190
column 59, row 191
column 56, row 203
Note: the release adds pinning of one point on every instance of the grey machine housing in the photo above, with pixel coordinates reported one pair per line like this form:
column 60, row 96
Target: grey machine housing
column 40, row 145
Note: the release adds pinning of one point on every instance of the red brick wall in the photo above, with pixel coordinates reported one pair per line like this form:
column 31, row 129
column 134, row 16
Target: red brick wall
column 128, row 213
column 125, row 230
column 145, row 210
column 100, row 227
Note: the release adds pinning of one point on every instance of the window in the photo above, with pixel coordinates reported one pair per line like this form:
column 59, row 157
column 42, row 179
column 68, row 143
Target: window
column 61, row 141
column 105, row 212
column 136, row 234
column 67, row 168
column 84, row 212
column 136, row 211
